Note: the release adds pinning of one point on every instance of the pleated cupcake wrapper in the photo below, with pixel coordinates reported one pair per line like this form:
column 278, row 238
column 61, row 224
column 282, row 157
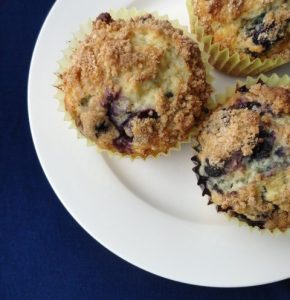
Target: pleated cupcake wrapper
column 64, row 63
column 221, row 99
column 225, row 60
column 272, row 81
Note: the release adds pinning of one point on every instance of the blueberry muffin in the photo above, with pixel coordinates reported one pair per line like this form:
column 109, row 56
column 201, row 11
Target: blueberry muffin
column 253, row 29
column 243, row 156
column 136, row 87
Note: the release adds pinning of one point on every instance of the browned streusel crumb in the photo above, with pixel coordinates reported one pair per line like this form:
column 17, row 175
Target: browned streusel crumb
column 136, row 87
column 246, row 201
column 228, row 129
column 243, row 156
column 258, row 28
column 278, row 98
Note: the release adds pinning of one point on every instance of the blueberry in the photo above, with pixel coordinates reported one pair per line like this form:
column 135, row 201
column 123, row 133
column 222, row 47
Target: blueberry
column 109, row 99
column 242, row 89
column 254, row 104
column 85, row 100
column 119, row 114
column 241, row 104
column 148, row 113
column 260, row 81
column 117, row 108
column 264, row 148
column 257, row 21
column 205, row 110
column 234, row 162
column 265, row 34
column 145, row 18
column 105, row 17
column 262, row 36
column 253, row 54
column 169, row 95
column 123, row 143
column 280, row 152
column 102, row 128
column 213, row 171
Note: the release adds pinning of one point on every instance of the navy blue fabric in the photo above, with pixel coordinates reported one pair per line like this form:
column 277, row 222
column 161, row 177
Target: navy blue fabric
column 44, row 254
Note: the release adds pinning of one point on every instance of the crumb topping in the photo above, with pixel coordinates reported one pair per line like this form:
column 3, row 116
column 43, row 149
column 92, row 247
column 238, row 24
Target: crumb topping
column 137, row 86
column 246, row 201
column 277, row 98
column 225, row 133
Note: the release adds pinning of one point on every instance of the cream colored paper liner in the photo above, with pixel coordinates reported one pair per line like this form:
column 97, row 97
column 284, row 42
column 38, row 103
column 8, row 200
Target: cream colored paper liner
column 222, row 58
column 272, row 81
column 64, row 63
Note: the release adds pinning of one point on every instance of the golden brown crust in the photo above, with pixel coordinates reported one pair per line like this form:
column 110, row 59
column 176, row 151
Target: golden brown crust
column 228, row 129
column 151, row 65
column 278, row 98
column 258, row 28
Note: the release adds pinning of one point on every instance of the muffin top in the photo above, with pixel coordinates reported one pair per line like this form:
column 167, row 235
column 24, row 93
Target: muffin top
column 136, row 87
column 243, row 156
column 259, row 28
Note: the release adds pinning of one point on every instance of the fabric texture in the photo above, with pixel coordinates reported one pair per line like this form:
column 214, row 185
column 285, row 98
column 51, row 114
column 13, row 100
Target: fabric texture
column 44, row 253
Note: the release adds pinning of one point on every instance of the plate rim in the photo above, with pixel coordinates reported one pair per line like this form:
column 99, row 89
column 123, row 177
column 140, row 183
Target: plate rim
column 59, row 194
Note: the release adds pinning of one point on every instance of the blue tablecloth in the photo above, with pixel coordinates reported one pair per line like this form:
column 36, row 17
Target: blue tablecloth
column 44, row 254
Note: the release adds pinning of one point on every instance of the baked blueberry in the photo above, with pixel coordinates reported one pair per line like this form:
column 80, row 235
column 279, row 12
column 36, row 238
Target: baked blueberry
column 213, row 171
column 105, row 17
column 102, row 128
column 266, row 29
column 264, row 145
column 241, row 103
column 242, row 89
column 169, row 95
column 123, row 144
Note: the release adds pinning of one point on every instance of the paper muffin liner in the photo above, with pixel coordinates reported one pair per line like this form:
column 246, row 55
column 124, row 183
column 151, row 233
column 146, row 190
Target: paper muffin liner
column 226, row 60
column 64, row 63
column 221, row 99
column 272, row 81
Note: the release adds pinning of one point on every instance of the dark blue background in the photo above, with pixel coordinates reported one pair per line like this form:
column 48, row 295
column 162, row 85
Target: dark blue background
column 44, row 254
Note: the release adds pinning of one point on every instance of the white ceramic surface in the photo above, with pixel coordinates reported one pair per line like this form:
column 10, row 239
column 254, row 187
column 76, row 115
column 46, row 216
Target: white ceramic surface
column 149, row 213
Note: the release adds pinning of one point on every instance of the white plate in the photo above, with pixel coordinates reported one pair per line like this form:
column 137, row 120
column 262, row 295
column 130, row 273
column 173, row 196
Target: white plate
column 149, row 213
